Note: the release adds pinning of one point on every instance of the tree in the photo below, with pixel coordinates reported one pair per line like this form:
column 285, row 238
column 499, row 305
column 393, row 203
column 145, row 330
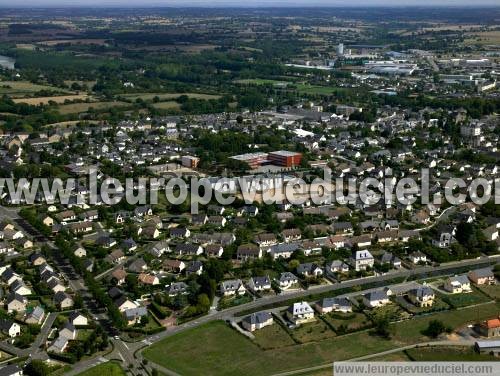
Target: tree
column 381, row 324
column 37, row 368
column 435, row 329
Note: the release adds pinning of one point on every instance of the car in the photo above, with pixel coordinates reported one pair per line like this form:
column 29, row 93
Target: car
column 116, row 337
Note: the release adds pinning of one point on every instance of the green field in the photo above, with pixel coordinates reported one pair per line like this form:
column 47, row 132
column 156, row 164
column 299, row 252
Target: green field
column 260, row 81
column 21, row 88
column 318, row 90
column 108, row 369
column 187, row 355
column 458, row 353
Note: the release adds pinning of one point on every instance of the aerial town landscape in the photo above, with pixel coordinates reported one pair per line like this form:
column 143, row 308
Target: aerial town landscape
column 209, row 227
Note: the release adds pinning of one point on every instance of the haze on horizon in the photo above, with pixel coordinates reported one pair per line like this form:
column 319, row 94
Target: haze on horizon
column 249, row 3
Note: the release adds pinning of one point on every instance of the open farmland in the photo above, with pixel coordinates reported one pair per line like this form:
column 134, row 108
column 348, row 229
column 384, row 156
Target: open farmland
column 57, row 99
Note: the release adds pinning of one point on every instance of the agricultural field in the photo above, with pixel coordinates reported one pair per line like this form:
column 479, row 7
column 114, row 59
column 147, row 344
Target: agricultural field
column 76, row 108
column 168, row 96
column 108, row 369
column 18, row 89
column 169, row 105
column 60, row 99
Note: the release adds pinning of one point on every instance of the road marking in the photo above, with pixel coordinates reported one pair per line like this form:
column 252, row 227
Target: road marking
column 124, row 344
column 121, row 356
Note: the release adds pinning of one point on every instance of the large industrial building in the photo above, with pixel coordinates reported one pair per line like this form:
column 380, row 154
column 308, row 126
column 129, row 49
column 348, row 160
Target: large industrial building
column 281, row 158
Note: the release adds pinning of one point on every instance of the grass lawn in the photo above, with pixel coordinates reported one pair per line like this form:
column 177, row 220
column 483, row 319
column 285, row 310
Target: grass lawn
column 186, row 354
column 273, row 336
column 313, row 331
column 492, row 291
column 392, row 310
column 463, row 300
column 76, row 108
column 452, row 353
column 108, row 369
column 351, row 321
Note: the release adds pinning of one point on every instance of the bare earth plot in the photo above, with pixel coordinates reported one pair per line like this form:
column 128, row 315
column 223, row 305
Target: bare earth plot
column 84, row 107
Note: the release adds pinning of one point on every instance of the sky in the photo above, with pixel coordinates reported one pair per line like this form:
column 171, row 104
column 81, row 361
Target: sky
column 247, row 3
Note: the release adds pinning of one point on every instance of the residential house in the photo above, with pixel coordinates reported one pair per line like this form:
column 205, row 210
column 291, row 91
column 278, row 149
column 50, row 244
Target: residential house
column 287, row 280
column 310, row 270
column 123, row 303
column 337, row 304
column 177, row 288
column 257, row 321
column 68, row 331
column 174, row 266
column 63, row 300
column 418, row 257
column 36, row 316
column 483, row 276
column 457, row 284
column 80, row 252
column 179, row 232
column 119, row 275
column 77, row 319
column 214, row 250
column 257, row 284
column 10, row 328
column 300, row 313
column 290, row 235
column 194, row 267
column 59, row 345
column 362, row 260
column 148, row 279
column 337, row 266
column 16, row 303
column 377, row 298
column 232, row 287
column 248, row 252
column 390, row 259
column 490, row 328
column 134, row 315
column 116, row 257
column 422, row 296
